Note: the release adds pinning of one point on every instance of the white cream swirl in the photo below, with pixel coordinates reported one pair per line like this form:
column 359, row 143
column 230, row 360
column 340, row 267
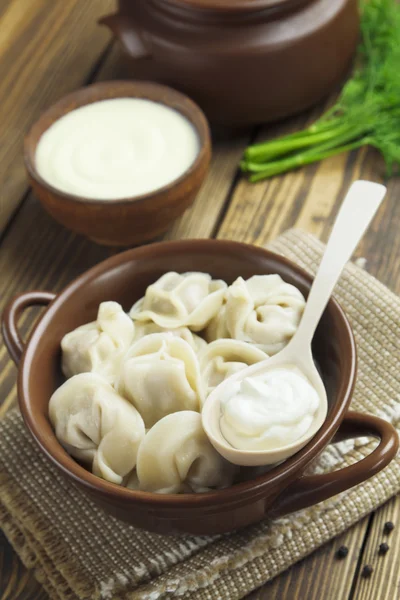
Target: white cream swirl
column 268, row 411
column 116, row 148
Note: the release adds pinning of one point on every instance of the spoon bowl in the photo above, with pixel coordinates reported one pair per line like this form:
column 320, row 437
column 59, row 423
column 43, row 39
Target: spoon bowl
column 253, row 458
column 357, row 211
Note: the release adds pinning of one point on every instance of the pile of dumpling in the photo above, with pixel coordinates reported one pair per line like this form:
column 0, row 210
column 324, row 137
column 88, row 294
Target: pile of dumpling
column 130, row 407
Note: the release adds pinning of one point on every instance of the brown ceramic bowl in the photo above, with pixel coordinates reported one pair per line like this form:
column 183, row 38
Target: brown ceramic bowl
column 128, row 221
column 124, row 278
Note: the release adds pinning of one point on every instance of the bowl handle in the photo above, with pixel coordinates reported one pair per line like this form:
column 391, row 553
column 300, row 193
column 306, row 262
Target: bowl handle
column 132, row 40
column 12, row 312
column 311, row 489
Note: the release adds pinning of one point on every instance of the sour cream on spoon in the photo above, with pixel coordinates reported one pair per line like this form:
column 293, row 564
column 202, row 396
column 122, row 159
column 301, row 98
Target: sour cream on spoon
column 233, row 413
column 268, row 411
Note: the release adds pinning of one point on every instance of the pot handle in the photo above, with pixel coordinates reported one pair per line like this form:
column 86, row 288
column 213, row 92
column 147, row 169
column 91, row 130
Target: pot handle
column 132, row 40
column 12, row 312
column 311, row 489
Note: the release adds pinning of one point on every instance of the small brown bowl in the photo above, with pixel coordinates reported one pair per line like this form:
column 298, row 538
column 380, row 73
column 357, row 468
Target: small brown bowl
column 283, row 489
column 127, row 221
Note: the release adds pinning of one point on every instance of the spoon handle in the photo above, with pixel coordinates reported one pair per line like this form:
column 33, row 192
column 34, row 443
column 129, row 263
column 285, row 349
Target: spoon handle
column 358, row 208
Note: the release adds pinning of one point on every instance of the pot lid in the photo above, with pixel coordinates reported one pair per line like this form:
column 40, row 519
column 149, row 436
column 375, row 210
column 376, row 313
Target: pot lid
column 237, row 5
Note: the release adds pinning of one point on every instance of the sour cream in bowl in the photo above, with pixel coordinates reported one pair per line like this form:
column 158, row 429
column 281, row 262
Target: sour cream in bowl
column 117, row 148
column 119, row 161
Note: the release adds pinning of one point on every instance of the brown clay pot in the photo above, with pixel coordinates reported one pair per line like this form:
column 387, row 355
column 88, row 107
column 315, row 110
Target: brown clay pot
column 124, row 278
column 243, row 61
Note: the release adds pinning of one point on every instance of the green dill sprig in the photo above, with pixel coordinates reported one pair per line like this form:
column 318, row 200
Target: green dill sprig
column 366, row 113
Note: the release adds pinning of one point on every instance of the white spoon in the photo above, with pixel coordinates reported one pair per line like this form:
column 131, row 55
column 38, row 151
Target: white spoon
column 358, row 209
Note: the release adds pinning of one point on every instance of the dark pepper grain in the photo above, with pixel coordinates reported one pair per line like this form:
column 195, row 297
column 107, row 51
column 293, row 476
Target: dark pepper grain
column 383, row 548
column 342, row 552
column 388, row 527
column 367, row 571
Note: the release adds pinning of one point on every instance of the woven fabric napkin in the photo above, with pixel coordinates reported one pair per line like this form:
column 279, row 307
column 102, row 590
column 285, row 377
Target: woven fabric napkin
column 79, row 552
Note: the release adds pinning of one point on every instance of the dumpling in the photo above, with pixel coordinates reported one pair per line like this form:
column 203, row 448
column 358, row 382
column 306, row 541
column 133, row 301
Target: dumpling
column 223, row 358
column 176, row 456
column 96, row 426
column 160, row 375
column 148, row 327
column 98, row 346
column 264, row 310
column 176, row 300
column 217, row 328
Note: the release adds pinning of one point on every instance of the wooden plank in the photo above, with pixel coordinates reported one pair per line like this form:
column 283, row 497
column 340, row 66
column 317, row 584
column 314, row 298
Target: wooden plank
column 201, row 219
column 16, row 582
column 308, row 578
column 47, row 48
column 384, row 583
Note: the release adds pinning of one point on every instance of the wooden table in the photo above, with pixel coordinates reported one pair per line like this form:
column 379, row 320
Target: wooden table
column 48, row 48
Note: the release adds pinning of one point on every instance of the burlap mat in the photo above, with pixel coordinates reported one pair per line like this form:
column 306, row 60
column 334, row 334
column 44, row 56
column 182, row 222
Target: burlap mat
column 77, row 551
